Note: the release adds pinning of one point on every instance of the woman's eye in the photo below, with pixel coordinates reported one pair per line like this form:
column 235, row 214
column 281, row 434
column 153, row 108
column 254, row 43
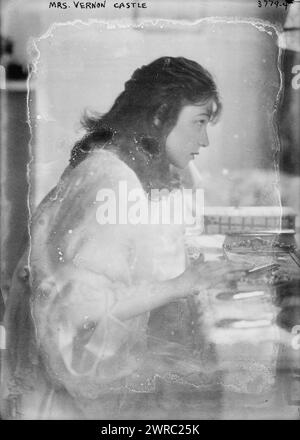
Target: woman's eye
column 201, row 122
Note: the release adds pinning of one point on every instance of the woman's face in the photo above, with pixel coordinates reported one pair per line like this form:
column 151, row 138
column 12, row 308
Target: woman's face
column 189, row 134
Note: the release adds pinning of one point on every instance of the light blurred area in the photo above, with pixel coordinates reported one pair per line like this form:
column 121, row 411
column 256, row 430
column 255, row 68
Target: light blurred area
column 253, row 160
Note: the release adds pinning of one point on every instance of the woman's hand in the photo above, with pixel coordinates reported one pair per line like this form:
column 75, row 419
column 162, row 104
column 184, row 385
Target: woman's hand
column 200, row 275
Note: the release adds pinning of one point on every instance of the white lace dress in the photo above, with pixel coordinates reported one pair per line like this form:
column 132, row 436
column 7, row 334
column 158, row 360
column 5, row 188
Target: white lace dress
column 69, row 357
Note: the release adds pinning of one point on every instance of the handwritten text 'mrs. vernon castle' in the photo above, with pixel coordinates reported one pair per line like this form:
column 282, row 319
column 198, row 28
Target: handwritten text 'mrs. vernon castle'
column 96, row 5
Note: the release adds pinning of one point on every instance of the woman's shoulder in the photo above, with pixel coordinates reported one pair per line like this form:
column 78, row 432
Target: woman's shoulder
column 104, row 165
column 99, row 175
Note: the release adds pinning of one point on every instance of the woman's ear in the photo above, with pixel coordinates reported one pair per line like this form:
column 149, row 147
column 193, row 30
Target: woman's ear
column 159, row 115
column 156, row 121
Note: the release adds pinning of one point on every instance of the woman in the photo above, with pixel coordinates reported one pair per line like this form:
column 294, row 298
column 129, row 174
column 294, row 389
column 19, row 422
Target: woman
column 80, row 341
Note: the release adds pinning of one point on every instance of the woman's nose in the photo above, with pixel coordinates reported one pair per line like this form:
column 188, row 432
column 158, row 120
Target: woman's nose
column 204, row 141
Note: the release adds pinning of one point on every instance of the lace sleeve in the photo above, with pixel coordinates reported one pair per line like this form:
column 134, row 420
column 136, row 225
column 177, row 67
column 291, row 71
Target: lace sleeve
column 79, row 270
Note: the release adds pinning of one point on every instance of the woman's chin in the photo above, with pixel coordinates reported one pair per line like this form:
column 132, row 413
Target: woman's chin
column 183, row 163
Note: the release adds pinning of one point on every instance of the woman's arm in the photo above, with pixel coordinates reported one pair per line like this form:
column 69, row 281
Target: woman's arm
column 195, row 278
column 149, row 296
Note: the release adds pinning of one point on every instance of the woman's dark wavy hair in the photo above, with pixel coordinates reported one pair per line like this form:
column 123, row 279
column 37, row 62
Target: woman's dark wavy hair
column 137, row 125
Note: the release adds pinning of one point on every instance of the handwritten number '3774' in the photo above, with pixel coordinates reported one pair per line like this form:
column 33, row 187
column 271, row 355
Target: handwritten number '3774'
column 266, row 3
